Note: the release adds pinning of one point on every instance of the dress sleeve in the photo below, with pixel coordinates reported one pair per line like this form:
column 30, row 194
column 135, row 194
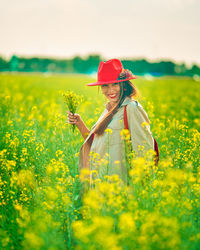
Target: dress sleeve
column 139, row 127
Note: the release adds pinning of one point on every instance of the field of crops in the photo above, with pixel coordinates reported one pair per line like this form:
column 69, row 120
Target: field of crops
column 40, row 202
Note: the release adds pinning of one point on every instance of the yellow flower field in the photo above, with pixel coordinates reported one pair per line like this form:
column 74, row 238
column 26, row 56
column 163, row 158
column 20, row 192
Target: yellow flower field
column 42, row 205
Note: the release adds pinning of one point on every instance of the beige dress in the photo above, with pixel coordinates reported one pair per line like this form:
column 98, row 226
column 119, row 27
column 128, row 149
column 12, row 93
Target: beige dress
column 106, row 153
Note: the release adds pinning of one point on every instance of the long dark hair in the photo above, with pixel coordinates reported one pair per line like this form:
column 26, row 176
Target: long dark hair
column 127, row 89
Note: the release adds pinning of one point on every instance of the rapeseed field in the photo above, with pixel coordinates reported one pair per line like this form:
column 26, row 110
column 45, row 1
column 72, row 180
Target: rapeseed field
column 42, row 205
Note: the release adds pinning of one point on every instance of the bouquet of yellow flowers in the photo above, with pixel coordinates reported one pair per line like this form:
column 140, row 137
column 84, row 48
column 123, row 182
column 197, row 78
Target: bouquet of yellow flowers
column 73, row 101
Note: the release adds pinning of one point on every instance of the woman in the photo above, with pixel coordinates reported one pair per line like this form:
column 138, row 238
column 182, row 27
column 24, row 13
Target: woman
column 103, row 148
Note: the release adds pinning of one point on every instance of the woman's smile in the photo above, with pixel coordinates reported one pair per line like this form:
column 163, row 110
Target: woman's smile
column 113, row 97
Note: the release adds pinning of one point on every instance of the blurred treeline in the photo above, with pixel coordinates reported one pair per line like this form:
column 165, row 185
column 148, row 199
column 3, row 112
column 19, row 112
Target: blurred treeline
column 89, row 65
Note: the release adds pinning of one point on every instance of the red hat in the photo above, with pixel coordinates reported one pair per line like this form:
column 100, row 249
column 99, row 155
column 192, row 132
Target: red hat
column 109, row 72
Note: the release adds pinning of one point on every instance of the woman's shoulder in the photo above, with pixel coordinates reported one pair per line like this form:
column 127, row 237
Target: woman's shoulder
column 133, row 104
column 134, row 107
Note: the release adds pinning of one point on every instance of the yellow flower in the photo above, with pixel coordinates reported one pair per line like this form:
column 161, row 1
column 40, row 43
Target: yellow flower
column 7, row 98
column 32, row 240
column 18, row 207
column 25, row 178
column 126, row 223
column 24, row 151
column 77, row 154
column 145, row 124
column 51, row 194
column 108, row 131
column 10, row 123
column 34, row 108
column 73, row 101
column 125, row 134
column 84, row 174
column 59, row 153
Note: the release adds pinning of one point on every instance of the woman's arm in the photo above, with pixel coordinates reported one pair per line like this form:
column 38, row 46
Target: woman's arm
column 76, row 119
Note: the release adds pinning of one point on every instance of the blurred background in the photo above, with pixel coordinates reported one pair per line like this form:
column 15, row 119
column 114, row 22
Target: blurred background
column 151, row 37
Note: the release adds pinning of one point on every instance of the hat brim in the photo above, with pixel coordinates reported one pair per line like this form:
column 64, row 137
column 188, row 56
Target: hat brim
column 108, row 82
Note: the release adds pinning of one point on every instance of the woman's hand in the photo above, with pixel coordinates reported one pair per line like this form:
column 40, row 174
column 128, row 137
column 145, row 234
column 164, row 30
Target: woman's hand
column 73, row 119
column 76, row 120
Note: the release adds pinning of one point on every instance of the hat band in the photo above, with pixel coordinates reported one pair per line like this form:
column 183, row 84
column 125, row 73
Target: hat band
column 125, row 74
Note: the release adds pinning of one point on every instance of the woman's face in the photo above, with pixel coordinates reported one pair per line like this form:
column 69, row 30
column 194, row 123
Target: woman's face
column 111, row 91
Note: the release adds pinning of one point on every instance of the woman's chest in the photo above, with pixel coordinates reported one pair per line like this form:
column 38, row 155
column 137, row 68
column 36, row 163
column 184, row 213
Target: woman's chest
column 117, row 122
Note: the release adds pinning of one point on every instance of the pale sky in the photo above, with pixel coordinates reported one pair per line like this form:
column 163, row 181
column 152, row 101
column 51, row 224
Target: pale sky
column 154, row 29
